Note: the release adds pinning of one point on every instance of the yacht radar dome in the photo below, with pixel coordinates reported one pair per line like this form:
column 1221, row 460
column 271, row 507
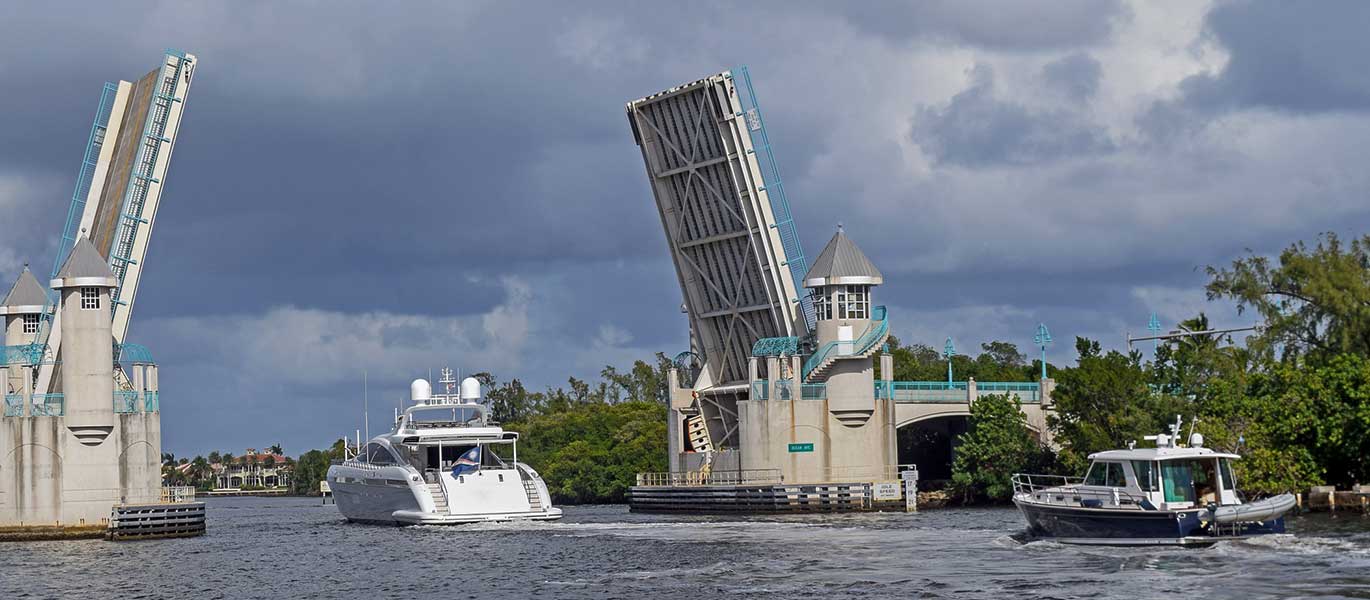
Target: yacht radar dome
column 470, row 389
column 420, row 391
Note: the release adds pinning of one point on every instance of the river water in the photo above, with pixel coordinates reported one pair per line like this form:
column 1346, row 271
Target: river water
column 297, row 548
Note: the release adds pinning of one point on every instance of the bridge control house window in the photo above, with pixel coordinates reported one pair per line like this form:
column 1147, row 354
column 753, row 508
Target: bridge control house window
column 90, row 298
column 30, row 323
column 843, row 302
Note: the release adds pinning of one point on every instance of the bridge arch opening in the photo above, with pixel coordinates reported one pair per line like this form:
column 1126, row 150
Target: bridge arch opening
column 931, row 444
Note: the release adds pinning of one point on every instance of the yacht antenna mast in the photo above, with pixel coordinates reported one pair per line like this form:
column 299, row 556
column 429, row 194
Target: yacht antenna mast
column 366, row 406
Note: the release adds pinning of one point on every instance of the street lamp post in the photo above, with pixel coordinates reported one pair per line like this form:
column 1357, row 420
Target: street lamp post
column 949, row 351
column 1043, row 338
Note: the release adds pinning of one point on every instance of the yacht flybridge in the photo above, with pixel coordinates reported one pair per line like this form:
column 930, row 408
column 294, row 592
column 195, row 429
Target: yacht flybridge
column 1171, row 494
column 443, row 463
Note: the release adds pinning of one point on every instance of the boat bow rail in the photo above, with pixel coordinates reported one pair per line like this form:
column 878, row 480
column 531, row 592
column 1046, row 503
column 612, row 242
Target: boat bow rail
column 1059, row 490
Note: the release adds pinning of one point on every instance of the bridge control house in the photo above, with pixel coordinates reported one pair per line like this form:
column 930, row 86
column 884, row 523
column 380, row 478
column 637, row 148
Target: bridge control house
column 778, row 406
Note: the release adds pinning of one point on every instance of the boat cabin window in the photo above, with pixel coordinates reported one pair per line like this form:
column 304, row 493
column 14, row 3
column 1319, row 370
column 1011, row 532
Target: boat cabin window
column 377, row 454
column 1206, row 481
column 1146, row 475
column 1192, row 480
column 1106, row 474
column 1225, row 469
column 1115, row 475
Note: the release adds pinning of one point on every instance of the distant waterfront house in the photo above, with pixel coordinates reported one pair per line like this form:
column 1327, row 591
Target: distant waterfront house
column 254, row 470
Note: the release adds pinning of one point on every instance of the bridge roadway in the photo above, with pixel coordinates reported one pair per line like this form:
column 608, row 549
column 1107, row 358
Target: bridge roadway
column 917, row 401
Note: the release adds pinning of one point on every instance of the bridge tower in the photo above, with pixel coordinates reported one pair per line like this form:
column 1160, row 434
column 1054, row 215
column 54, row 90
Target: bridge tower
column 80, row 438
column 731, row 237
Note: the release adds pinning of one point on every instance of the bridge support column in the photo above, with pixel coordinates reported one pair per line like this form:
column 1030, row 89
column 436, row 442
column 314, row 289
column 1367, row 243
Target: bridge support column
column 887, row 371
column 970, row 391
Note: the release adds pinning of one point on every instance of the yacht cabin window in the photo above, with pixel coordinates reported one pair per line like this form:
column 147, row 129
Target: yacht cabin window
column 377, row 454
column 1108, row 474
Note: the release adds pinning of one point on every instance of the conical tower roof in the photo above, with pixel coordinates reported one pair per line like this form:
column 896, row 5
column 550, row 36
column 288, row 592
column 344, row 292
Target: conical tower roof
column 85, row 267
column 842, row 263
column 26, row 297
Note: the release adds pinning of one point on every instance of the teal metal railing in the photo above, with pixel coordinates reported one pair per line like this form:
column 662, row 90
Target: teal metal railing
column 776, row 346
column 784, row 389
column 14, row 405
column 26, row 354
column 85, row 175
column 927, row 391
column 84, row 178
column 814, row 391
column 125, row 401
column 130, row 354
column 955, row 391
column 1027, row 392
column 760, row 390
column 151, row 402
column 49, row 405
column 775, row 190
column 874, row 334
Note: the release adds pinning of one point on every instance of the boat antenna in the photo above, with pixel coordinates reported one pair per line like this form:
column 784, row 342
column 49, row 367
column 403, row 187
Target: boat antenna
column 1192, row 423
column 366, row 405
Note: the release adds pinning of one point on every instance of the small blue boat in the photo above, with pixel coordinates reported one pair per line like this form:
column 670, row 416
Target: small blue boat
column 1168, row 495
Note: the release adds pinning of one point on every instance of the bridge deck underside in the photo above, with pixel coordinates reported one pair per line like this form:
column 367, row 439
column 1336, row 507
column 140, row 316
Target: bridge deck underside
column 728, row 258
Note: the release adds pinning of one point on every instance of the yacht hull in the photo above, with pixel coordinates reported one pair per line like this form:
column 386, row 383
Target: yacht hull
column 371, row 503
column 406, row 517
column 1101, row 526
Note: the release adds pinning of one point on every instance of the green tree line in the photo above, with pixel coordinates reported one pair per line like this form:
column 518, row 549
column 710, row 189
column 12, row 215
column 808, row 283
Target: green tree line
column 1293, row 399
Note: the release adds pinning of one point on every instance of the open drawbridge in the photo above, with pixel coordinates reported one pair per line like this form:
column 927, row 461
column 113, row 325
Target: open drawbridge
column 730, row 232
column 118, row 190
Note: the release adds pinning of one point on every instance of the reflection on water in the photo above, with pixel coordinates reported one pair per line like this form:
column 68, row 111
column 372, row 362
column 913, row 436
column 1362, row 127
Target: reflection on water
column 295, row 548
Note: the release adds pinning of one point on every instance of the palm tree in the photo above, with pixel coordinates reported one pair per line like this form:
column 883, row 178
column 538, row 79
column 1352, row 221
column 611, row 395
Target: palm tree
column 214, row 457
column 199, row 470
column 276, row 449
column 227, row 458
column 270, row 463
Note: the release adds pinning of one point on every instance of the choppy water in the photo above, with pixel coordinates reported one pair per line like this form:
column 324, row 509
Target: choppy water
column 295, row 548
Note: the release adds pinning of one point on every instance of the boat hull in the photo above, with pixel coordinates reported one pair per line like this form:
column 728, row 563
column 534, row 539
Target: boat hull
column 403, row 517
column 1100, row 526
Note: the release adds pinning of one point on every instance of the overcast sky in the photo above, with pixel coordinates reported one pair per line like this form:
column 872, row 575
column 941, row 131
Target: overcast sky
column 398, row 187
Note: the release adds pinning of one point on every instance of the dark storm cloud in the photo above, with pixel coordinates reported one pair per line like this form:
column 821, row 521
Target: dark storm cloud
column 359, row 187
column 992, row 23
column 977, row 129
column 1303, row 57
column 1077, row 75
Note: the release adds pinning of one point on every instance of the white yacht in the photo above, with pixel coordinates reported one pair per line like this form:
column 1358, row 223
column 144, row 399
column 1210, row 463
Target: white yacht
column 444, row 463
